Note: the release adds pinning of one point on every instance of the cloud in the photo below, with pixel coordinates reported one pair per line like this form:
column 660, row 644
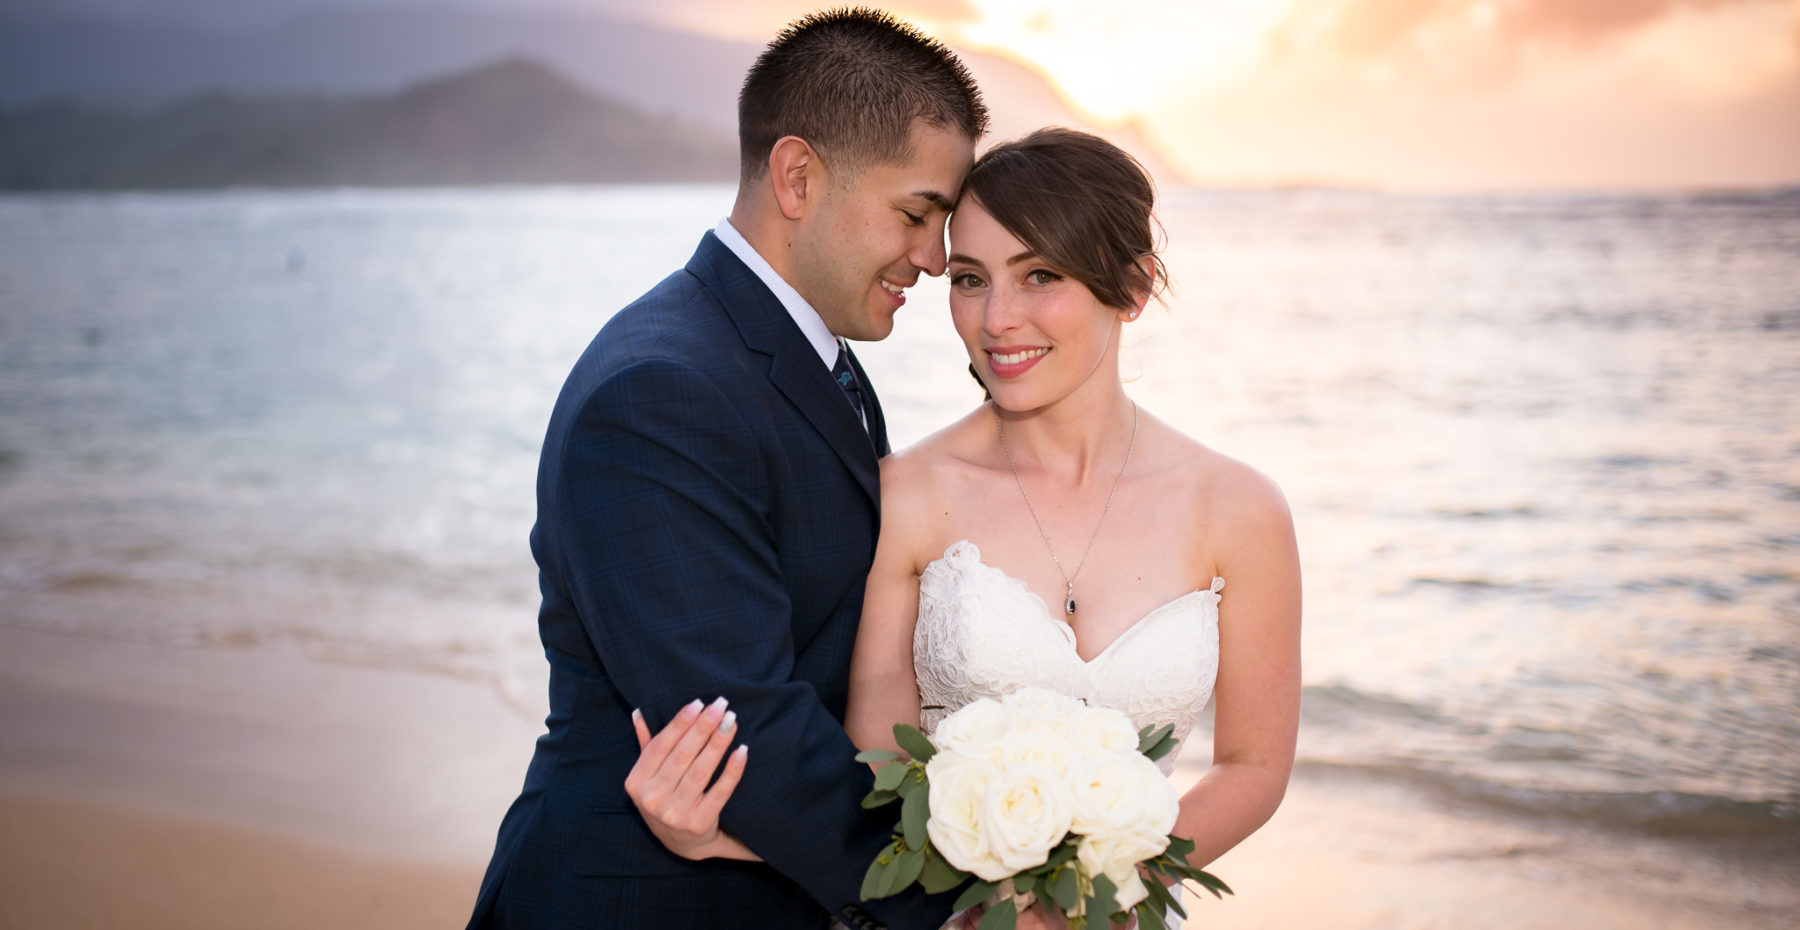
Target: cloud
column 1361, row 30
column 761, row 19
column 1448, row 94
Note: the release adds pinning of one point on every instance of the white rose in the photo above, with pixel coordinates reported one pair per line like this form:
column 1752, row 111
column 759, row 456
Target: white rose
column 1027, row 815
column 1111, row 792
column 1041, row 709
column 1103, row 729
column 1161, row 804
column 975, row 729
column 959, row 787
column 1051, row 750
column 1116, row 855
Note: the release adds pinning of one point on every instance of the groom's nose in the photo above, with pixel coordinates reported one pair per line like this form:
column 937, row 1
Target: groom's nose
column 927, row 253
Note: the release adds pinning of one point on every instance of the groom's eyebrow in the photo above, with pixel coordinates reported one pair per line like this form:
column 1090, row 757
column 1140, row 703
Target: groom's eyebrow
column 937, row 200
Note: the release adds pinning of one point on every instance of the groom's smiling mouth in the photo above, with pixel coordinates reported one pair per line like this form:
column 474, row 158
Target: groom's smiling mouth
column 895, row 292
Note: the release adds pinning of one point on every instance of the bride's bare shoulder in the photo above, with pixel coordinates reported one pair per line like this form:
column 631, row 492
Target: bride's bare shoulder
column 929, row 467
column 1227, row 492
column 921, row 483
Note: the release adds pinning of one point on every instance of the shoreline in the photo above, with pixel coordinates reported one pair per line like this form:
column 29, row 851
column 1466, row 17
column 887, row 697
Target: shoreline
column 256, row 786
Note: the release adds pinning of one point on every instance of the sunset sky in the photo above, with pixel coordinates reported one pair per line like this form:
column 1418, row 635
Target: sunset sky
column 1402, row 93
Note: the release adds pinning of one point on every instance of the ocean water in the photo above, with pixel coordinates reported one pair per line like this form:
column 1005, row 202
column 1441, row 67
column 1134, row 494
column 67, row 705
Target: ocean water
column 1543, row 451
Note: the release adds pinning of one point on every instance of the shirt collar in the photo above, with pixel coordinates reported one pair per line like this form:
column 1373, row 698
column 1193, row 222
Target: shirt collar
column 812, row 326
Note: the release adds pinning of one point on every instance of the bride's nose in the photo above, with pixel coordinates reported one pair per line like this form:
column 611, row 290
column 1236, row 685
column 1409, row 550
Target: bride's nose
column 1000, row 313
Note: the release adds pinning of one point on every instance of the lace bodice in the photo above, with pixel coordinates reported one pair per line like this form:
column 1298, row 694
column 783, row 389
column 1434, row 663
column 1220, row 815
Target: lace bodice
column 982, row 633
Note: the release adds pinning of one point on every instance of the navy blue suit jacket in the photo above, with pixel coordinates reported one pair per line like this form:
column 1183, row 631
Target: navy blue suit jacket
column 707, row 513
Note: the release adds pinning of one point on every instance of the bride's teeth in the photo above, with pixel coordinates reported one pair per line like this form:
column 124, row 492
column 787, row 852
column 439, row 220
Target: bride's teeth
column 1017, row 357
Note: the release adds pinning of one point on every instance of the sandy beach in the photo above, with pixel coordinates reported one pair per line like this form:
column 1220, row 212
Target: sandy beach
column 164, row 786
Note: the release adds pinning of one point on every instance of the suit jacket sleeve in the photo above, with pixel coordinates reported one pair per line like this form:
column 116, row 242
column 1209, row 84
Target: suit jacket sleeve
column 672, row 565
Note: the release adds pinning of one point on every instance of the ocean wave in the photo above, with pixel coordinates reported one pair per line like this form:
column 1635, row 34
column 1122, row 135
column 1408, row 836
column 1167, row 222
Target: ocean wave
column 1663, row 813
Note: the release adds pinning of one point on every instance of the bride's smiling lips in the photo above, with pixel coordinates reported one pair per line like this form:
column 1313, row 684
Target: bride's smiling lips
column 1013, row 361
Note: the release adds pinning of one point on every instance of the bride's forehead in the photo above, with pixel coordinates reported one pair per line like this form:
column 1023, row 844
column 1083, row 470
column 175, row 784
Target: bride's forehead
column 973, row 229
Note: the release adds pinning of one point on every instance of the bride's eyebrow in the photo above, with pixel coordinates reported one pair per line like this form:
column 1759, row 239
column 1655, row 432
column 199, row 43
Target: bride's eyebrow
column 957, row 258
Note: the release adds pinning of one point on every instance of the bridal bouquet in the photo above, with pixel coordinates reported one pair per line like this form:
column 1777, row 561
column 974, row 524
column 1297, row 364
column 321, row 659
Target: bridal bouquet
column 1034, row 797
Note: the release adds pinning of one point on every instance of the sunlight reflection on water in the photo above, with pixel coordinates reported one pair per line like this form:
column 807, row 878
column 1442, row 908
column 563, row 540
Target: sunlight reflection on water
column 1540, row 450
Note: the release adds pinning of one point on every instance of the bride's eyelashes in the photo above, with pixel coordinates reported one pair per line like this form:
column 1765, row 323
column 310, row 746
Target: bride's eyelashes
column 967, row 280
column 1036, row 277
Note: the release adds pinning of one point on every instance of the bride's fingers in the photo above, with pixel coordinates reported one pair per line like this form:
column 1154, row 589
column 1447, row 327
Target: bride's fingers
column 706, row 762
column 643, row 729
column 681, row 756
column 655, row 752
column 714, row 800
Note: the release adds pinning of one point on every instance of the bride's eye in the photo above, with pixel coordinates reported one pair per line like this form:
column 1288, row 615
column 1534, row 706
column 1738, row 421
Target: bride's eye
column 967, row 279
column 1042, row 276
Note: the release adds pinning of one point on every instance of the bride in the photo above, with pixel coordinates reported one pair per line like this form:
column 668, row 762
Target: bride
column 1059, row 535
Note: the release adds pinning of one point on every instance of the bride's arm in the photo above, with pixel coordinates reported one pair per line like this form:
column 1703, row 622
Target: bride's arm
column 1257, row 696
column 883, row 689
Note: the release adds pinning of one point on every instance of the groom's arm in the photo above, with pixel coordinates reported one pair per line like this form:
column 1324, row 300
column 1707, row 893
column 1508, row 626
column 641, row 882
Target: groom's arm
column 673, row 569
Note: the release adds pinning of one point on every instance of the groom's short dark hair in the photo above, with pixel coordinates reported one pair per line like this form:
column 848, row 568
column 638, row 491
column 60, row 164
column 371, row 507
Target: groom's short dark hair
column 851, row 82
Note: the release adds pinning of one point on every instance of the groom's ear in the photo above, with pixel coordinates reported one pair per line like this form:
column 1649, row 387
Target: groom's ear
column 795, row 170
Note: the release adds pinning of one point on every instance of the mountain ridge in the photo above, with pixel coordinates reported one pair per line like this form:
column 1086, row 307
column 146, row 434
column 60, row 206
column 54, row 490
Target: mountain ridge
column 511, row 121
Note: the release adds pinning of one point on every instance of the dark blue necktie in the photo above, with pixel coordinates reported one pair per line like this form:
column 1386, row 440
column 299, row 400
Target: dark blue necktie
column 846, row 379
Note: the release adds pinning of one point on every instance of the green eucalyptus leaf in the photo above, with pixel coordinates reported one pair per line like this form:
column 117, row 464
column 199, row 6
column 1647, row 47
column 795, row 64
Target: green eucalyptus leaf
column 1149, row 917
column 1211, row 883
column 877, row 755
column 889, row 882
column 939, row 875
column 907, row 868
column 1152, row 739
column 1103, row 903
column 1067, row 889
column 890, row 776
column 1002, row 916
column 1162, row 748
column 871, row 880
column 876, row 799
column 1180, row 847
column 913, row 816
column 974, row 894
column 914, row 742
column 1061, row 854
column 1167, row 898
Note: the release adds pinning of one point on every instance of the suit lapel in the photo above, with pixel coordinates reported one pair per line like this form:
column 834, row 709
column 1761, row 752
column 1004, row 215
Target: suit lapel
column 794, row 367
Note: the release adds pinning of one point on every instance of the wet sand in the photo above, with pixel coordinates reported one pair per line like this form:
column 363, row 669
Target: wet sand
column 153, row 786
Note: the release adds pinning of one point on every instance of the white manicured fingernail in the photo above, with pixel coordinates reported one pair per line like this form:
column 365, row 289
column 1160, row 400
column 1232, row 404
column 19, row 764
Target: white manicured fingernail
column 729, row 722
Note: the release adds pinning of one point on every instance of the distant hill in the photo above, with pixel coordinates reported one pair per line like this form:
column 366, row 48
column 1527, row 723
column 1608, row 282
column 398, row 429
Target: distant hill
column 379, row 48
column 511, row 122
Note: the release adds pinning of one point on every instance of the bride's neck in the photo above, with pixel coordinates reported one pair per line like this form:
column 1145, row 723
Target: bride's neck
column 1077, row 440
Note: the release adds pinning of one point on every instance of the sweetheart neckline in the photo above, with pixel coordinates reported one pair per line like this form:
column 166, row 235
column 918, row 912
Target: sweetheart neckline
column 1044, row 607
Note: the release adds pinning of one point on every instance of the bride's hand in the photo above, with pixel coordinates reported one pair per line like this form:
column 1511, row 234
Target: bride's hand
column 668, row 783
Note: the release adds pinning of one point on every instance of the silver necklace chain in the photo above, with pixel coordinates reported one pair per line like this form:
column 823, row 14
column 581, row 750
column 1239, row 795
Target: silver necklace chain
column 1068, row 578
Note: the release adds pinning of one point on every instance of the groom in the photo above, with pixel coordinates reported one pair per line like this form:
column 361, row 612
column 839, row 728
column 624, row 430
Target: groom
column 708, row 506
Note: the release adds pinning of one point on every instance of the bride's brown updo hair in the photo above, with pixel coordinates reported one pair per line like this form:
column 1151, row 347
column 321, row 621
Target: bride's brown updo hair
column 1082, row 204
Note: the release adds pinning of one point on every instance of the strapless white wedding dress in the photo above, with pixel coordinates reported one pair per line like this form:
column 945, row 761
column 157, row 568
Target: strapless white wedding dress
column 982, row 633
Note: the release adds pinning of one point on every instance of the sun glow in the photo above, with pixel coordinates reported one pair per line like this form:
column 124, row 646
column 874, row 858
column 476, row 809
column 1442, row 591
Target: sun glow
column 1116, row 59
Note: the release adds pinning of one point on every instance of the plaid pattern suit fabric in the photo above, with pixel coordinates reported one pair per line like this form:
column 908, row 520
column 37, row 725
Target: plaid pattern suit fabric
column 707, row 513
